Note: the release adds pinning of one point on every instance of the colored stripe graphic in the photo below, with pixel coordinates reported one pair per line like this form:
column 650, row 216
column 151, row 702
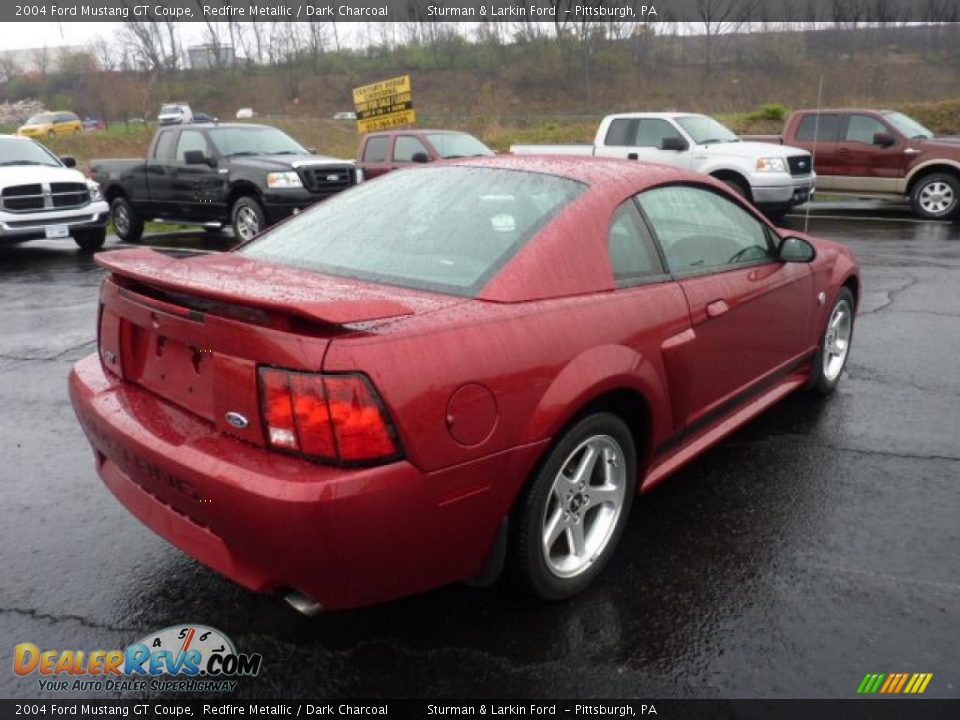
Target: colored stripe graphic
column 894, row 683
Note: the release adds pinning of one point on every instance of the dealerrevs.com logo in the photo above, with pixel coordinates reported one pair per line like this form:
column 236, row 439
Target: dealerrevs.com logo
column 183, row 658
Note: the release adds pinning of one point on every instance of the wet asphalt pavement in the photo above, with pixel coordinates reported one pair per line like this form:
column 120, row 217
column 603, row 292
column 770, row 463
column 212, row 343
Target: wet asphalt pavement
column 817, row 544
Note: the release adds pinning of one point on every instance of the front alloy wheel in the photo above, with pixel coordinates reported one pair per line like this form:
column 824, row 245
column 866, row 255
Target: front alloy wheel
column 248, row 218
column 571, row 515
column 835, row 343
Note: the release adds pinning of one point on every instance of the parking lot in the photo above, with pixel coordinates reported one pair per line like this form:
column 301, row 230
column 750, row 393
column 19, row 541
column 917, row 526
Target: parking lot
column 815, row 545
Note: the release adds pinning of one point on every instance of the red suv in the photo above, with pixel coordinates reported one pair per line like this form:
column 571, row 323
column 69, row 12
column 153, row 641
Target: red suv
column 381, row 152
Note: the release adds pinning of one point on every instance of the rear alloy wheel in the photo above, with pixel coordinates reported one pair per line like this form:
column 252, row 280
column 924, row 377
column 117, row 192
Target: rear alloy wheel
column 90, row 240
column 936, row 197
column 127, row 222
column 571, row 516
column 248, row 218
column 831, row 358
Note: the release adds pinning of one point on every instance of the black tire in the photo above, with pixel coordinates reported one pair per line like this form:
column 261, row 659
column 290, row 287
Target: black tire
column 529, row 562
column 936, row 196
column 738, row 186
column 820, row 380
column 247, row 218
column 127, row 222
column 90, row 240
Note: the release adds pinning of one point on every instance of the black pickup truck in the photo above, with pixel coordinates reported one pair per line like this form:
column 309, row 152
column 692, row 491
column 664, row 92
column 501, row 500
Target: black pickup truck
column 247, row 176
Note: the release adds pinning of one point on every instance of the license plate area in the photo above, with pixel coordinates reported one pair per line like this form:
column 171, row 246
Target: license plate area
column 175, row 370
column 56, row 231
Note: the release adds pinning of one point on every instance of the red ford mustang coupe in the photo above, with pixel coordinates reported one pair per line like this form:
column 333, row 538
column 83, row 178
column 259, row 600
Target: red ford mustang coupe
column 450, row 370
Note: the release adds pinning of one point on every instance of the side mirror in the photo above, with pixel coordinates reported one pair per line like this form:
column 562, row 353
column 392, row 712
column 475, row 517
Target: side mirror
column 884, row 139
column 196, row 157
column 796, row 250
column 677, row 144
column 420, row 157
column 312, row 150
column 69, row 161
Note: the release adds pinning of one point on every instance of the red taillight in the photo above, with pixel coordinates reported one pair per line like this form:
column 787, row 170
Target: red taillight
column 331, row 417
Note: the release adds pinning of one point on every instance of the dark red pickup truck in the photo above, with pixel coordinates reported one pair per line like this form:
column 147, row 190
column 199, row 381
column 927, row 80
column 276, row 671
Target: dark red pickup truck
column 879, row 153
column 381, row 152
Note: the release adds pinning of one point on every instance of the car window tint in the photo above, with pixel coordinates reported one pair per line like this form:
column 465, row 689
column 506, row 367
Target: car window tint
column 435, row 228
column 405, row 147
column 190, row 140
column 622, row 132
column 164, row 147
column 632, row 253
column 699, row 229
column 376, row 149
column 653, row 131
column 862, row 128
column 827, row 129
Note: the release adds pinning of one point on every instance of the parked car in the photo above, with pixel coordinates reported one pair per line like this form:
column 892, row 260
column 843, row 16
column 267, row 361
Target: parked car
column 92, row 124
column 480, row 360
column 248, row 176
column 773, row 180
column 174, row 114
column 42, row 196
column 51, row 124
column 879, row 153
column 202, row 117
column 345, row 116
column 245, row 114
column 381, row 152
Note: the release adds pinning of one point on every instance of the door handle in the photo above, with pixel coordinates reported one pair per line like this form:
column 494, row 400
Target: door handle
column 843, row 151
column 632, row 156
column 716, row 308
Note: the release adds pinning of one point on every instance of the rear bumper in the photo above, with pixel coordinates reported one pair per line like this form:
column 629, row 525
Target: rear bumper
column 345, row 537
column 29, row 226
column 788, row 192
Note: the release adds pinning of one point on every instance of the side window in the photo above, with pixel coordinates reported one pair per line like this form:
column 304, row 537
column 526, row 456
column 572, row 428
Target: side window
column 190, row 140
column 61, row 118
column 405, row 147
column 164, row 147
column 376, row 149
column 699, row 229
column 622, row 132
column 633, row 255
column 862, row 128
column 653, row 131
column 826, row 130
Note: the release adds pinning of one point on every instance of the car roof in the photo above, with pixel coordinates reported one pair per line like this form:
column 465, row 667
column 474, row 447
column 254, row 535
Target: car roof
column 418, row 131
column 872, row 111
column 593, row 171
column 661, row 115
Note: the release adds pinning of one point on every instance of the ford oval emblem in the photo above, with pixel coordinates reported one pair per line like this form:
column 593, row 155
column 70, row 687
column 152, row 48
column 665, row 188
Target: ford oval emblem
column 237, row 420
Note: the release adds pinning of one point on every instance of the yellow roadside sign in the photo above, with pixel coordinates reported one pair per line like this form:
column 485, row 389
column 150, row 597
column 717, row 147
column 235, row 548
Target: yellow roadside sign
column 385, row 104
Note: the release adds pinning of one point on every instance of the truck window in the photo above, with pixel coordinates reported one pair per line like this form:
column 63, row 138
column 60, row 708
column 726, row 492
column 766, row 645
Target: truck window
column 376, row 149
column 862, row 128
column 405, row 146
column 163, row 150
column 653, row 131
column 827, row 130
column 622, row 132
column 190, row 140
column 633, row 256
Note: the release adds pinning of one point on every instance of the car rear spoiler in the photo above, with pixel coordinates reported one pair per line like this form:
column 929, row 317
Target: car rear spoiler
column 233, row 279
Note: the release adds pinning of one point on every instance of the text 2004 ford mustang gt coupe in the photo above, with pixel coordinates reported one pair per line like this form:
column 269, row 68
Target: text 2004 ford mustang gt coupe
column 450, row 368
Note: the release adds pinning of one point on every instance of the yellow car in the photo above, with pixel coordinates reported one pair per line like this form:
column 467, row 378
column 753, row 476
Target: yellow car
column 50, row 124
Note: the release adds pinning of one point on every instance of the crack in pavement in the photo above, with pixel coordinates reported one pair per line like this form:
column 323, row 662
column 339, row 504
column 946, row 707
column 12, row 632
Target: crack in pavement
column 65, row 617
column 892, row 296
column 47, row 358
column 862, row 374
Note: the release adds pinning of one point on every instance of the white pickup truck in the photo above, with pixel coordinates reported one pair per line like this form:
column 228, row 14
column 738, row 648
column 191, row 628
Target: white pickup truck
column 774, row 178
column 41, row 196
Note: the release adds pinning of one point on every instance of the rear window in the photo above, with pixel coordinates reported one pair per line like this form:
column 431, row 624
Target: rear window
column 443, row 229
column 827, row 128
column 456, row 145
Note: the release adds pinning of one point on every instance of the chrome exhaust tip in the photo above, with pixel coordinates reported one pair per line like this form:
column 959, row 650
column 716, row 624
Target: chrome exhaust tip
column 303, row 604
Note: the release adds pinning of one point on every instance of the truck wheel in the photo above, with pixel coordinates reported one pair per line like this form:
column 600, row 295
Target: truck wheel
column 247, row 218
column 831, row 358
column 573, row 512
column 936, row 196
column 126, row 220
column 90, row 240
column 737, row 186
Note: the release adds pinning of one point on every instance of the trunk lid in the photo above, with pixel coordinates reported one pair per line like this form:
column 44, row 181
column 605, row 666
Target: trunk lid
column 194, row 329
